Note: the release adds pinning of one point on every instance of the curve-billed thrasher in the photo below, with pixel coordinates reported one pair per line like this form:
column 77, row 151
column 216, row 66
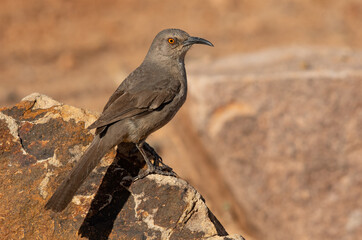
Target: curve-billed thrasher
column 145, row 101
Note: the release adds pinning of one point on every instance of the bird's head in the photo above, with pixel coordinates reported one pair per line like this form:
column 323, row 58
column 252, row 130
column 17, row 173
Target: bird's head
column 173, row 44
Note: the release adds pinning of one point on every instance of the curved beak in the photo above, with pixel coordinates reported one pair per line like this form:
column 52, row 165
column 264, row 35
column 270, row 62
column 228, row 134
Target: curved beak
column 196, row 40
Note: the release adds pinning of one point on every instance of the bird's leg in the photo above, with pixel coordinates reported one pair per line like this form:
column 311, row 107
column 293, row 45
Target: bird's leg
column 151, row 169
column 150, row 166
column 157, row 158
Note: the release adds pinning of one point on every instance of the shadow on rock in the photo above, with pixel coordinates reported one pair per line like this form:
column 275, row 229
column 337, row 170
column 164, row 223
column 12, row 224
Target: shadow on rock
column 112, row 194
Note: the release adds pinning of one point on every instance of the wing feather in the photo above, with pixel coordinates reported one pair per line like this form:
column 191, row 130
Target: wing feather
column 136, row 101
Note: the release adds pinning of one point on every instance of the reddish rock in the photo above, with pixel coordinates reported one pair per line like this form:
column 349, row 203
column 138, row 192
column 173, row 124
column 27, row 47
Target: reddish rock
column 41, row 140
column 284, row 126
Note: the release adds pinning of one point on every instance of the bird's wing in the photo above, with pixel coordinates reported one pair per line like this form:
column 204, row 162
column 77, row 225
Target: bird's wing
column 139, row 99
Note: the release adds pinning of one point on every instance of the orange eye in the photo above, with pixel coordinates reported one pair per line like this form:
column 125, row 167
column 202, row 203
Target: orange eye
column 171, row 40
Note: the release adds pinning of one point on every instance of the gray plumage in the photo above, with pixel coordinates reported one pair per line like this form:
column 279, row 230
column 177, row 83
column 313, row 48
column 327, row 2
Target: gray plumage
column 145, row 101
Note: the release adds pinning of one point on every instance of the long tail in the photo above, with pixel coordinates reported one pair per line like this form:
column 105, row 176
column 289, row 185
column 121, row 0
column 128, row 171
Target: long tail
column 65, row 192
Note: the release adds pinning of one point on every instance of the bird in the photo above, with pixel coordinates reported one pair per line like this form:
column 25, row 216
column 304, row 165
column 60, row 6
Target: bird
column 144, row 102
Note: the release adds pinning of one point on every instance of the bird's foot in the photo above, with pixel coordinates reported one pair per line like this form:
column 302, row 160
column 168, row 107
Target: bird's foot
column 163, row 167
column 157, row 167
column 157, row 159
column 161, row 170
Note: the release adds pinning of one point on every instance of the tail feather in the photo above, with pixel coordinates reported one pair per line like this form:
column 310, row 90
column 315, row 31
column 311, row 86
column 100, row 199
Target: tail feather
column 65, row 192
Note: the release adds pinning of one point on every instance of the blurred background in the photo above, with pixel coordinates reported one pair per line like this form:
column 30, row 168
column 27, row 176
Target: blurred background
column 271, row 133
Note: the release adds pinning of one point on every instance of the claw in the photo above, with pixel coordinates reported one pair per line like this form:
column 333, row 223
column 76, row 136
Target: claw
column 157, row 170
column 154, row 168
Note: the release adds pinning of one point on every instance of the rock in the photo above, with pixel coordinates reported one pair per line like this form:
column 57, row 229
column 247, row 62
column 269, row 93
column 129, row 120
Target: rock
column 41, row 140
column 284, row 126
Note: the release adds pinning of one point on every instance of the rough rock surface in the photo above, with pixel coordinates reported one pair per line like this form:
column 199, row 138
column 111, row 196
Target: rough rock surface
column 41, row 140
column 285, row 127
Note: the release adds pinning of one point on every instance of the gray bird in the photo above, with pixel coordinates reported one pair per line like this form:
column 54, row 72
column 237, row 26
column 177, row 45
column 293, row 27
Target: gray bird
column 144, row 102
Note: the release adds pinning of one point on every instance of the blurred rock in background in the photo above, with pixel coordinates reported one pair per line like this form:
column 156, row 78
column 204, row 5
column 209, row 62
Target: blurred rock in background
column 283, row 125
column 286, row 134
column 75, row 51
